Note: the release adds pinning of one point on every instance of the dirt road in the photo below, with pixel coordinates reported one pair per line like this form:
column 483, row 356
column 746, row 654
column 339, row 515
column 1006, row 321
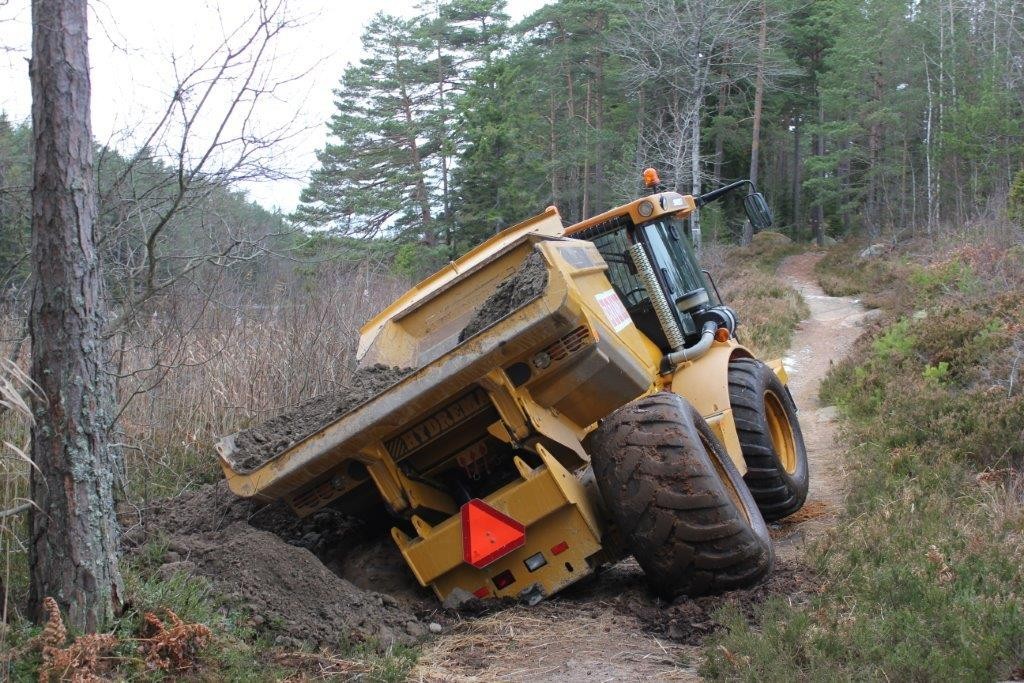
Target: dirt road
column 611, row 627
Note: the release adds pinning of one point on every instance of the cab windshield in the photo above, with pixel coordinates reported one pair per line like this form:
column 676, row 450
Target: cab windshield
column 675, row 259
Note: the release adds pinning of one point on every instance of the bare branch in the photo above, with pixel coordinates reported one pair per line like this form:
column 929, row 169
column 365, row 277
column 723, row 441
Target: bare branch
column 17, row 509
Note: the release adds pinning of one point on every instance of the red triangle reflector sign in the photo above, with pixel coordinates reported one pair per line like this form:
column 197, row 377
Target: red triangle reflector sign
column 487, row 534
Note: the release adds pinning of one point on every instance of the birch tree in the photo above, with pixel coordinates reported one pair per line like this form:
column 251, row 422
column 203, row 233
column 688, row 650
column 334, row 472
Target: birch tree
column 674, row 58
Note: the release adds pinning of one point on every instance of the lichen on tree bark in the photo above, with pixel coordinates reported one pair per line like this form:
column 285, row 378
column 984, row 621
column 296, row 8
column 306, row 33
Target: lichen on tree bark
column 73, row 549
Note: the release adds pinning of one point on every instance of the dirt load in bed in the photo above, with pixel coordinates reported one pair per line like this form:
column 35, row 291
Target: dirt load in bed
column 513, row 292
column 258, row 445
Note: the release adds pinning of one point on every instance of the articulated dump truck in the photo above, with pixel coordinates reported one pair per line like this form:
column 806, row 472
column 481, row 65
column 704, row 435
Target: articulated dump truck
column 560, row 398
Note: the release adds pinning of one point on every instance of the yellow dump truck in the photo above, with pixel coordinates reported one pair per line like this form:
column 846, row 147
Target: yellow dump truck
column 554, row 400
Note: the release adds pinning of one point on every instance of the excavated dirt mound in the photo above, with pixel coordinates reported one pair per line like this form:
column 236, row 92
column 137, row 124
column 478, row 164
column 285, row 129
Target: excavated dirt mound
column 257, row 445
column 514, row 291
column 271, row 564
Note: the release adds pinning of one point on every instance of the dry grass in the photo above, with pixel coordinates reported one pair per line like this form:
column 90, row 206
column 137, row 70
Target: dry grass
column 551, row 640
column 15, row 420
column 196, row 368
column 320, row 666
column 200, row 371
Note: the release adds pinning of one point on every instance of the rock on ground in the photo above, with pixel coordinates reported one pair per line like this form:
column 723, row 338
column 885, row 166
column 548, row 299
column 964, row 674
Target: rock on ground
column 872, row 251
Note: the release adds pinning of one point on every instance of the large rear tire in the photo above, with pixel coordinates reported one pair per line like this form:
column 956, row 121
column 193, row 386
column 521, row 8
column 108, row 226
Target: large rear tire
column 678, row 500
column 769, row 433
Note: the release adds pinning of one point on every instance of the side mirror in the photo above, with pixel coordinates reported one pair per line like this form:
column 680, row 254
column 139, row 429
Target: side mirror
column 758, row 212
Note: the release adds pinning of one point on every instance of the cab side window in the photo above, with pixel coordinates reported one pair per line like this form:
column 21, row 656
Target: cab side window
column 614, row 246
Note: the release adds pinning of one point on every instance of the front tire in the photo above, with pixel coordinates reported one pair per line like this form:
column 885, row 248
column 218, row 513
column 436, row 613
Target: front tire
column 769, row 433
column 678, row 500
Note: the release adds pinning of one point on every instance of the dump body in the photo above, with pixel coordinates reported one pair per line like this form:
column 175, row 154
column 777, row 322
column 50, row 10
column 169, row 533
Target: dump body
column 498, row 416
column 494, row 412
column 602, row 369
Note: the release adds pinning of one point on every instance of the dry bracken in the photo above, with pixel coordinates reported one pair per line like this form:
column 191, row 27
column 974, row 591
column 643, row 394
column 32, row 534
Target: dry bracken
column 78, row 662
column 174, row 646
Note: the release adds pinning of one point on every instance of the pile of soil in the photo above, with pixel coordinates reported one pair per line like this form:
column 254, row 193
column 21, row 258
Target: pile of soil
column 262, row 443
column 271, row 564
column 527, row 282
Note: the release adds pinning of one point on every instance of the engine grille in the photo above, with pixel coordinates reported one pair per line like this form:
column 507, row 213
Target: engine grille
column 569, row 344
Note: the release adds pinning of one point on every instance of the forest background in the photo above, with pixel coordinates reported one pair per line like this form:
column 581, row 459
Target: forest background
column 859, row 119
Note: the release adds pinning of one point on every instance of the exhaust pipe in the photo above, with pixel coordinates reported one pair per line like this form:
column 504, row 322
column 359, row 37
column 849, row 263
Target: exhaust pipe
column 707, row 335
column 645, row 272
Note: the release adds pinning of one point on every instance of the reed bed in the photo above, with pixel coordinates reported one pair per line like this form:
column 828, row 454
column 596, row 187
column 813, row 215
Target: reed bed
column 204, row 362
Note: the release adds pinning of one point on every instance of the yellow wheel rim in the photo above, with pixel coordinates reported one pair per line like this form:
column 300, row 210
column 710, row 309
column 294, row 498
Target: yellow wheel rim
column 781, row 431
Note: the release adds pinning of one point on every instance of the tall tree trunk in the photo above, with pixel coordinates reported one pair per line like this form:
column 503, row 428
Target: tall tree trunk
column 843, row 170
column 903, row 182
column 818, row 211
column 872, row 210
column 585, row 210
column 638, row 151
column 73, row 551
column 422, row 196
column 797, row 177
column 553, row 150
column 929, row 176
column 755, row 142
column 599, row 180
column 940, row 123
column 416, row 162
column 723, row 92
column 446, row 204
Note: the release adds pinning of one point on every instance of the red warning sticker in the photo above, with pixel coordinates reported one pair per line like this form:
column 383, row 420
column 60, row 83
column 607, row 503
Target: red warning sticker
column 613, row 308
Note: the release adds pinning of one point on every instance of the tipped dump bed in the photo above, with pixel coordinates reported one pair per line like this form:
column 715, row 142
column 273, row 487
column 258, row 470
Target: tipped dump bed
column 468, row 338
column 424, row 335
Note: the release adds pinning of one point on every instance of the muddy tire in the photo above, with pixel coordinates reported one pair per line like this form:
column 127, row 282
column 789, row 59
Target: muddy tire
column 769, row 432
column 679, row 502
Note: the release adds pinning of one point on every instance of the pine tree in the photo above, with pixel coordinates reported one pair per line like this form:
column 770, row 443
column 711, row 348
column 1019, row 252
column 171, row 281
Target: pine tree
column 375, row 173
column 462, row 38
column 501, row 178
column 73, row 526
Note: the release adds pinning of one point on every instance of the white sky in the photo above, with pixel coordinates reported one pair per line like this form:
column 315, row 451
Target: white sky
column 132, row 42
